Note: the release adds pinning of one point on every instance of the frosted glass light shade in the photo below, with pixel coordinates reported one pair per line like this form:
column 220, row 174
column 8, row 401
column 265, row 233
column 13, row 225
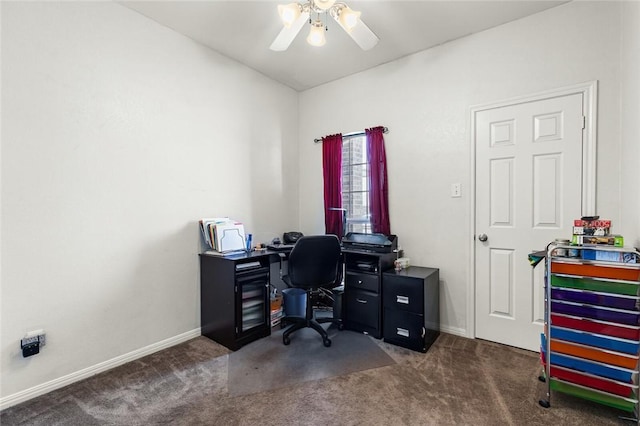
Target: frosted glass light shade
column 289, row 13
column 316, row 34
column 349, row 18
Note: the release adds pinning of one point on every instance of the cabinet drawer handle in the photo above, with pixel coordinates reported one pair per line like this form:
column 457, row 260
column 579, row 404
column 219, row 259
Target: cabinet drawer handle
column 424, row 331
column 359, row 281
column 402, row 332
column 402, row 299
column 360, row 300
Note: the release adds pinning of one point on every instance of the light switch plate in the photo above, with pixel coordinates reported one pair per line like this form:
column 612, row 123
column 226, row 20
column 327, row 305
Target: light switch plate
column 456, row 190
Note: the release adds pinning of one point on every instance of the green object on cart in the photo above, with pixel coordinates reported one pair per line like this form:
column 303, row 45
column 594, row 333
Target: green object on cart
column 602, row 398
column 628, row 288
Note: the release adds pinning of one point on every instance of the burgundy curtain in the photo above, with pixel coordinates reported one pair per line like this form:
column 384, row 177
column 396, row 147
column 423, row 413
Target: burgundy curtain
column 378, row 191
column 332, row 172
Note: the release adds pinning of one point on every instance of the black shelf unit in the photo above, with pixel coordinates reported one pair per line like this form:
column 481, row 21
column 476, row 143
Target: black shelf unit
column 363, row 290
column 411, row 303
column 234, row 298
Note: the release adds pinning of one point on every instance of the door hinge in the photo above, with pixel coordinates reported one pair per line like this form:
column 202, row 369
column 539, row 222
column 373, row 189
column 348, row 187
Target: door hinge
column 584, row 122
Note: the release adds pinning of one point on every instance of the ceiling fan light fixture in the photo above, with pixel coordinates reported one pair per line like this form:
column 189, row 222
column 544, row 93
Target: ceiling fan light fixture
column 289, row 13
column 323, row 4
column 316, row 34
column 348, row 18
column 297, row 15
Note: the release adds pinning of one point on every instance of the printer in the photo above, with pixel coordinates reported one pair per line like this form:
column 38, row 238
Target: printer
column 376, row 243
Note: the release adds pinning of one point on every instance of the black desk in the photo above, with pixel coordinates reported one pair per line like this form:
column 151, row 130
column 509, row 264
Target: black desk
column 234, row 297
column 363, row 290
column 235, row 292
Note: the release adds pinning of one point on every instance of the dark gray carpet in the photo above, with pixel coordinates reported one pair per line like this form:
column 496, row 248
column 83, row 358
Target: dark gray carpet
column 268, row 364
column 457, row 382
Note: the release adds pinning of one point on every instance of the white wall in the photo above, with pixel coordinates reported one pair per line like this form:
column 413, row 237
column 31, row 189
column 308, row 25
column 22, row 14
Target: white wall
column 425, row 98
column 630, row 123
column 118, row 134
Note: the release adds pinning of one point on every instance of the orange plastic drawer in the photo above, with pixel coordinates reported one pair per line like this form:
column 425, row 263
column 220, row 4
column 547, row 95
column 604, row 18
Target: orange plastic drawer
column 597, row 271
column 594, row 354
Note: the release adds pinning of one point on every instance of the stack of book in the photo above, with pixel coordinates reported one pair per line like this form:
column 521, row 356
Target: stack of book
column 276, row 309
column 276, row 317
column 594, row 231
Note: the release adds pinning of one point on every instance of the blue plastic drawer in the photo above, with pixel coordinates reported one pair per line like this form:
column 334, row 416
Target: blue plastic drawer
column 597, row 340
column 602, row 370
column 595, row 312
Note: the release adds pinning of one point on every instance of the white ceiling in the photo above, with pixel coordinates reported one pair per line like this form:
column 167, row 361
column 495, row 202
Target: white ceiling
column 243, row 30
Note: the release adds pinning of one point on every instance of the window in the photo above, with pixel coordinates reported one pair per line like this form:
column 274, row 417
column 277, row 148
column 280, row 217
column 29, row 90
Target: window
column 355, row 184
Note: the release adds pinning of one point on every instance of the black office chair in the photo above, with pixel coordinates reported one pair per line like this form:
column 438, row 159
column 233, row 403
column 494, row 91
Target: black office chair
column 313, row 265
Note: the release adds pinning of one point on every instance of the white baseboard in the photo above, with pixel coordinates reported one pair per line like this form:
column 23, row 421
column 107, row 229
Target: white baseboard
column 454, row 330
column 60, row 382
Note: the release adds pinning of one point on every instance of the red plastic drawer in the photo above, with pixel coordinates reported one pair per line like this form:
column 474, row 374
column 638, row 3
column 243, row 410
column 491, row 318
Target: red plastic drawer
column 599, row 327
column 578, row 378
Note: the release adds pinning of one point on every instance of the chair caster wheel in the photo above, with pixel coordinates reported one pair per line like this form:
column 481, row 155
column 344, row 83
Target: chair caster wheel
column 327, row 342
column 286, row 340
column 544, row 403
column 542, row 378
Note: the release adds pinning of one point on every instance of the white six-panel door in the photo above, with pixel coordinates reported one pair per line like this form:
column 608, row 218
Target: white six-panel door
column 528, row 191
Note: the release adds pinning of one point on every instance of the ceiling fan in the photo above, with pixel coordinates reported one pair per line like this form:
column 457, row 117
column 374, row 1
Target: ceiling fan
column 295, row 15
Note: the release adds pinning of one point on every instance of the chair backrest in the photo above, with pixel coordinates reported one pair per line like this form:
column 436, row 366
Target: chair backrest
column 314, row 261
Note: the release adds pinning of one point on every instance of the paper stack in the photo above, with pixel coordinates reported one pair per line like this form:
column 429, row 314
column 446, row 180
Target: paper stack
column 223, row 234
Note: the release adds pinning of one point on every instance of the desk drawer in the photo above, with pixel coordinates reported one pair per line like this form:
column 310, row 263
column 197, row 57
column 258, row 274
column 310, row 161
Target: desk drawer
column 363, row 307
column 363, row 282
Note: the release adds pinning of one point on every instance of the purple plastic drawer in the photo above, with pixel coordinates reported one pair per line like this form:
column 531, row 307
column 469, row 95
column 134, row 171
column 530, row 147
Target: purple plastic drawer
column 621, row 317
column 594, row 299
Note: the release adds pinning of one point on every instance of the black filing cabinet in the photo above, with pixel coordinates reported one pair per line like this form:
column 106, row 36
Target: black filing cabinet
column 411, row 307
column 363, row 290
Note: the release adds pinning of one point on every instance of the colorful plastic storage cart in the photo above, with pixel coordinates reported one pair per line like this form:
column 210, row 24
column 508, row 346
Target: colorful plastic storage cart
column 591, row 344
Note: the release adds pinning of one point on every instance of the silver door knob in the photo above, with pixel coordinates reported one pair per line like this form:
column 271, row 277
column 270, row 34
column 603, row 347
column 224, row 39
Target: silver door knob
column 483, row 237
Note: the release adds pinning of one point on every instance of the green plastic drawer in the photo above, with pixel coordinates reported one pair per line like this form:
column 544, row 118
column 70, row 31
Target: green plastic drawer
column 618, row 287
column 601, row 398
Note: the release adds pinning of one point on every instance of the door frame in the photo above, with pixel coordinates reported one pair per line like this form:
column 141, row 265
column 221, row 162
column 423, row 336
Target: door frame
column 589, row 91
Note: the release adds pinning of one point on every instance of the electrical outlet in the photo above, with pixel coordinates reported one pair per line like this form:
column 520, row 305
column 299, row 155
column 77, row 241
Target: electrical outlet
column 32, row 342
column 35, row 336
column 30, row 349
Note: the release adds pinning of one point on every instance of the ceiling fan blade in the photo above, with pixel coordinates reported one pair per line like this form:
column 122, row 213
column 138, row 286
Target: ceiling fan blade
column 361, row 34
column 286, row 35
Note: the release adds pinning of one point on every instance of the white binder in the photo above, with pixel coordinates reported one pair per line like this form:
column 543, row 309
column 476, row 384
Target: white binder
column 229, row 237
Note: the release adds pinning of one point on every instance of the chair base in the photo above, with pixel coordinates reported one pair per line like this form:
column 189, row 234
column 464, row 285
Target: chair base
column 311, row 321
column 299, row 323
column 302, row 323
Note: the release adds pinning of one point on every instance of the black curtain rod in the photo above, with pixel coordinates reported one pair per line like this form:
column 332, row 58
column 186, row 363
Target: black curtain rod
column 384, row 130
